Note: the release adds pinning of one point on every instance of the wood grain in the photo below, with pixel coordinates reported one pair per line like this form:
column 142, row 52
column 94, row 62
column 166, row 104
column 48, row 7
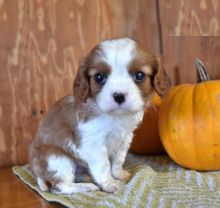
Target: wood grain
column 188, row 32
column 14, row 194
column 41, row 43
column 194, row 17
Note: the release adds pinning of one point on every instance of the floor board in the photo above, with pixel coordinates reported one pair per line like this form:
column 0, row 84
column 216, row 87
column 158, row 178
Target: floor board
column 14, row 194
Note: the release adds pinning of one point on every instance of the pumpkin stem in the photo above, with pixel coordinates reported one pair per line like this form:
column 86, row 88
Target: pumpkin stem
column 202, row 74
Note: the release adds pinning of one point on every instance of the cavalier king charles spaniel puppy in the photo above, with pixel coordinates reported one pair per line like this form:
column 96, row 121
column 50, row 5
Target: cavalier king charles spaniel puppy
column 93, row 128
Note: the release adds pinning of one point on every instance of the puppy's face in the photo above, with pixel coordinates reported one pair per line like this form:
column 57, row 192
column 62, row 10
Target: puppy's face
column 120, row 76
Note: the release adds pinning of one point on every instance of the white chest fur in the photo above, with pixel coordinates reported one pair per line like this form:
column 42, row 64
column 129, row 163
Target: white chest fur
column 106, row 132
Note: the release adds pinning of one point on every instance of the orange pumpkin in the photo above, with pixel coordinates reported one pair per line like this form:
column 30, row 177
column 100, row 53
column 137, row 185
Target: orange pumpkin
column 146, row 139
column 189, row 123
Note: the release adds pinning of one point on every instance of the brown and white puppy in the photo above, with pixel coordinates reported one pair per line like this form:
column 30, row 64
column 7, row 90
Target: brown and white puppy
column 94, row 127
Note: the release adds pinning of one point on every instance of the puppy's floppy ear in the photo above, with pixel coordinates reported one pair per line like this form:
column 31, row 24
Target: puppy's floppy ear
column 81, row 84
column 162, row 81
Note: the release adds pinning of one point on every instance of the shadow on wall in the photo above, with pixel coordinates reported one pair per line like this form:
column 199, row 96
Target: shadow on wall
column 176, row 79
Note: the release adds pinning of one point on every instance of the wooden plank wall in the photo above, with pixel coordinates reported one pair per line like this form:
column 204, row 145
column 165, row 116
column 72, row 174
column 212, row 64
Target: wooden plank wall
column 41, row 42
column 190, row 29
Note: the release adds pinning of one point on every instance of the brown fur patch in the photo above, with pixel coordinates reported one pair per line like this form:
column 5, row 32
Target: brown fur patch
column 86, row 112
column 99, row 67
column 55, row 134
column 162, row 81
column 81, row 85
column 144, row 62
column 85, row 85
column 156, row 77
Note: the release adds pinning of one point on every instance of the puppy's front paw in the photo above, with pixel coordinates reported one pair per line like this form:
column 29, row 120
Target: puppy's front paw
column 120, row 174
column 111, row 185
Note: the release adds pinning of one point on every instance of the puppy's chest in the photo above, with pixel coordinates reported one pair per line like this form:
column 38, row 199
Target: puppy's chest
column 110, row 131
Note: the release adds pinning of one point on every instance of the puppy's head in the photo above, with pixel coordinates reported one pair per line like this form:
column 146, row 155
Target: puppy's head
column 120, row 76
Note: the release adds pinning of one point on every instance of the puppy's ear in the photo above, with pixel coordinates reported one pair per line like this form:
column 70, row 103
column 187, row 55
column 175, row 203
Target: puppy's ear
column 81, row 84
column 162, row 81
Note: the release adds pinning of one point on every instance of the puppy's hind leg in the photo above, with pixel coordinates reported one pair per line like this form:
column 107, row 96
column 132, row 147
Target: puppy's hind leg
column 71, row 188
column 64, row 168
column 52, row 166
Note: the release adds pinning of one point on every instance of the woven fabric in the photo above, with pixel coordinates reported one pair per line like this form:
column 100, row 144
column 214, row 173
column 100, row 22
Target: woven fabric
column 155, row 182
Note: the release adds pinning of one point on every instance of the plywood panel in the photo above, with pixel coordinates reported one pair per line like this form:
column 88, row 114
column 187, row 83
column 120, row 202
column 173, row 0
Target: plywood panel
column 192, row 17
column 40, row 45
column 190, row 29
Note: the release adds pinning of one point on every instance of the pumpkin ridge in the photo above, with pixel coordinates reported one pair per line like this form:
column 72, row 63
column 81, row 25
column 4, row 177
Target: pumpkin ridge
column 212, row 107
column 195, row 87
column 217, row 124
column 185, row 91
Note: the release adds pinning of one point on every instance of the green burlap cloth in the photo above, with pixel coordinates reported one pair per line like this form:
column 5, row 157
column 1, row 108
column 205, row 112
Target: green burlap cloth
column 156, row 182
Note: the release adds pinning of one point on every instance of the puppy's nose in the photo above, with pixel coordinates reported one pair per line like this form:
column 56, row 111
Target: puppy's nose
column 119, row 98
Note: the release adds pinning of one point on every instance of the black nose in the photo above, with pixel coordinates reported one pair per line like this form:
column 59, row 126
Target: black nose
column 119, row 98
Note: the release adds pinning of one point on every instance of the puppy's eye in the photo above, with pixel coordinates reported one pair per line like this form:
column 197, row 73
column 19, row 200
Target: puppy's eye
column 139, row 76
column 100, row 78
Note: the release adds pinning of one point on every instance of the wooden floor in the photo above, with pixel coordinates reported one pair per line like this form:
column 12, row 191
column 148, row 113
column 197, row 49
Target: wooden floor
column 13, row 193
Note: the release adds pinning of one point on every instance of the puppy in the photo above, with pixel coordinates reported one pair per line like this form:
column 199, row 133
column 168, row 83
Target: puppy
column 93, row 128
